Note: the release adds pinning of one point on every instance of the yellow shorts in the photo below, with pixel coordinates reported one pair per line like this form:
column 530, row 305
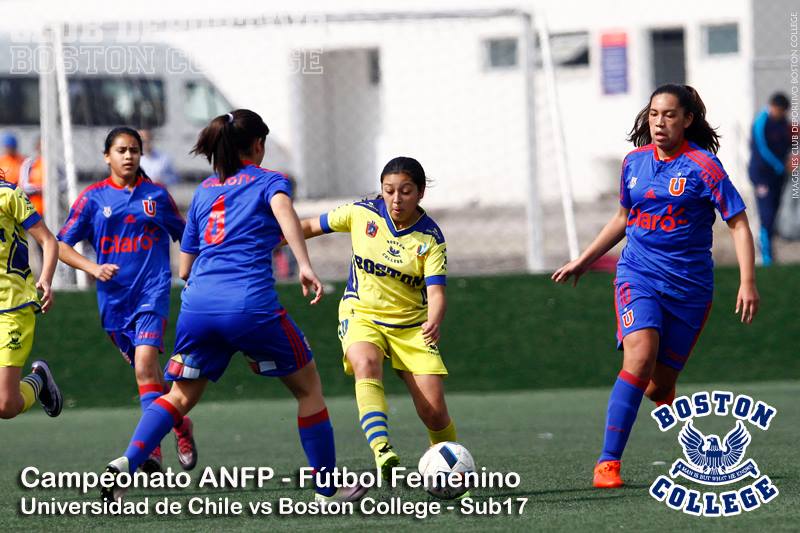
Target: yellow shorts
column 16, row 336
column 404, row 346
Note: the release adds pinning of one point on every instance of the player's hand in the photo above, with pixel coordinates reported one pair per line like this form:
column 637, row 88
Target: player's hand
column 574, row 269
column 46, row 298
column 310, row 281
column 747, row 302
column 430, row 332
column 105, row 271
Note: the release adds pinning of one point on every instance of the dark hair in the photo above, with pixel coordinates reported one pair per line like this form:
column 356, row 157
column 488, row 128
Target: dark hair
column 699, row 131
column 779, row 100
column 408, row 166
column 226, row 137
column 124, row 130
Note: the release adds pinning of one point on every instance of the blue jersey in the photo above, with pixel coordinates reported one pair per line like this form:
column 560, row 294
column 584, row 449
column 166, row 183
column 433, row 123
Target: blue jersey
column 130, row 228
column 231, row 229
column 769, row 146
column 672, row 206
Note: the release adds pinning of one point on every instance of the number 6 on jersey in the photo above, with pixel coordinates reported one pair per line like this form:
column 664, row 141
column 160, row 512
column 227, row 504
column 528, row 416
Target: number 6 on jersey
column 215, row 228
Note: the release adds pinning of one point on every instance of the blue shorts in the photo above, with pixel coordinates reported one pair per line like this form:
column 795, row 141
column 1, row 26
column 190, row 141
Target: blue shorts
column 205, row 343
column 145, row 329
column 679, row 323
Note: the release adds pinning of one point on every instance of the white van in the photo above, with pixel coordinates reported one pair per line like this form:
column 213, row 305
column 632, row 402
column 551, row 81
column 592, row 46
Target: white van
column 142, row 85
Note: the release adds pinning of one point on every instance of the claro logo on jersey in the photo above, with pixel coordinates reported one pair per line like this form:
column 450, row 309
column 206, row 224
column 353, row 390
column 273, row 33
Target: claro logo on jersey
column 651, row 222
column 711, row 460
column 116, row 244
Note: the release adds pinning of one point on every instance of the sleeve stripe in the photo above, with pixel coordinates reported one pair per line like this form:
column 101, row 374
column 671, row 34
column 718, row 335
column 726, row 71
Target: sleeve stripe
column 436, row 280
column 175, row 207
column 31, row 220
column 323, row 223
column 707, row 164
column 77, row 207
column 730, row 214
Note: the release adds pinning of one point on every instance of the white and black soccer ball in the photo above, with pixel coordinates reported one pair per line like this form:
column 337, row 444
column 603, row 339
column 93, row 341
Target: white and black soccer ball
column 443, row 467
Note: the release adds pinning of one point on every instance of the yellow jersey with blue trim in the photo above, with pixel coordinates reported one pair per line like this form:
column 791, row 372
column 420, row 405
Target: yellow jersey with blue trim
column 390, row 268
column 17, row 214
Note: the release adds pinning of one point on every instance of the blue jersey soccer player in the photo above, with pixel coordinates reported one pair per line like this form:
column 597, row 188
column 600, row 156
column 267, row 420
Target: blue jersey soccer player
column 393, row 304
column 129, row 220
column 229, row 303
column 669, row 188
column 19, row 301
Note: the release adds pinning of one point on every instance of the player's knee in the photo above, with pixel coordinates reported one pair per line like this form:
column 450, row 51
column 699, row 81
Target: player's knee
column 148, row 373
column 366, row 367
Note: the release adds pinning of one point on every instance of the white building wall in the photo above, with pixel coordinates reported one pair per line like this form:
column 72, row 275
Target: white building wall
column 465, row 124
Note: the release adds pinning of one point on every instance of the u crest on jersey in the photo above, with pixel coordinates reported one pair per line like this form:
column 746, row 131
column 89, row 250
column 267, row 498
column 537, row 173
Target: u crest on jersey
column 627, row 318
column 149, row 207
column 677, row 186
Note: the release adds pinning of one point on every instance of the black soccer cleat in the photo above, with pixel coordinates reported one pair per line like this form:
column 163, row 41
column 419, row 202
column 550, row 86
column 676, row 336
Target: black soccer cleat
column 50, row 395
column 114, row 492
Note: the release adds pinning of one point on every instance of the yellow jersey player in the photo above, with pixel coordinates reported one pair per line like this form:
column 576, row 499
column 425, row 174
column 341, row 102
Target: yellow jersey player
column 393, row 304
column 19, row 301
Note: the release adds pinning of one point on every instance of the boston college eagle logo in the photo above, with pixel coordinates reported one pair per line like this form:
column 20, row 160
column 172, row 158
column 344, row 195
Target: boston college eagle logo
column 149, row 207
column 372, row 228
column 677, row 186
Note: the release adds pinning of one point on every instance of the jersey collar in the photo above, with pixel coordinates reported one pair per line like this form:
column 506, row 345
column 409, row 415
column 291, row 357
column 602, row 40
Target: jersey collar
column 684, row 148
column 110, row 182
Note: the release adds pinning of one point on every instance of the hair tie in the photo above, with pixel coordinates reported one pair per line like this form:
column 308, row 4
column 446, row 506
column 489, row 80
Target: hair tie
column 230, row 118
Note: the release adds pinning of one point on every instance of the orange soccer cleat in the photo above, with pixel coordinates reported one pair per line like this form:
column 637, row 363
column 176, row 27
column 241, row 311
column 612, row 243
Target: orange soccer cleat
column 606, row 475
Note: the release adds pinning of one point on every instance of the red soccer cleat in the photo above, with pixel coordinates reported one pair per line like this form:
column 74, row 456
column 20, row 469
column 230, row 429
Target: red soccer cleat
column 606, row 475
column 184, row 442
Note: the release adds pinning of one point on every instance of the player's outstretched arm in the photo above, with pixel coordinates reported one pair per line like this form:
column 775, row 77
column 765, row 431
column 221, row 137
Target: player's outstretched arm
column 287, row 218
column 437, row 305
column 311, row 227
column 747, row 299
column 609, row 236
column 50, row 257
column 71, row 257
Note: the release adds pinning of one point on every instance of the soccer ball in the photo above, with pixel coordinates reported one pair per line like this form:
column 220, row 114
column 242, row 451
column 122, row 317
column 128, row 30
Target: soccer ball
column 443, row 467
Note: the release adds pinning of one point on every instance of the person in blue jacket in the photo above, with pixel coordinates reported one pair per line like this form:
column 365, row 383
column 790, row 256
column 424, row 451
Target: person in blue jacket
column 769, row 148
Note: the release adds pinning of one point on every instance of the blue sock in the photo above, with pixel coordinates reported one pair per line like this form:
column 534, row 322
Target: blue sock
column 157, row 420
column 316, row 435
column 148, row 393
column 623, row 405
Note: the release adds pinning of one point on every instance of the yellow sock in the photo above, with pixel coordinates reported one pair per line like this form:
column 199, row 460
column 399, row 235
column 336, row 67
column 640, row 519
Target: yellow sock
column 447, row 434
column 29, row 388
column 373, row 412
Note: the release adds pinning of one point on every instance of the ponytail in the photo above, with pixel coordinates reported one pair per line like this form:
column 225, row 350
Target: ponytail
column 699, row 131
column 226, row 136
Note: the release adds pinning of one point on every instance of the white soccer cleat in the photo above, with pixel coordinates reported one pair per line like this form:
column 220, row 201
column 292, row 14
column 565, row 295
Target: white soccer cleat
column 114, row 493
column 343, row 494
